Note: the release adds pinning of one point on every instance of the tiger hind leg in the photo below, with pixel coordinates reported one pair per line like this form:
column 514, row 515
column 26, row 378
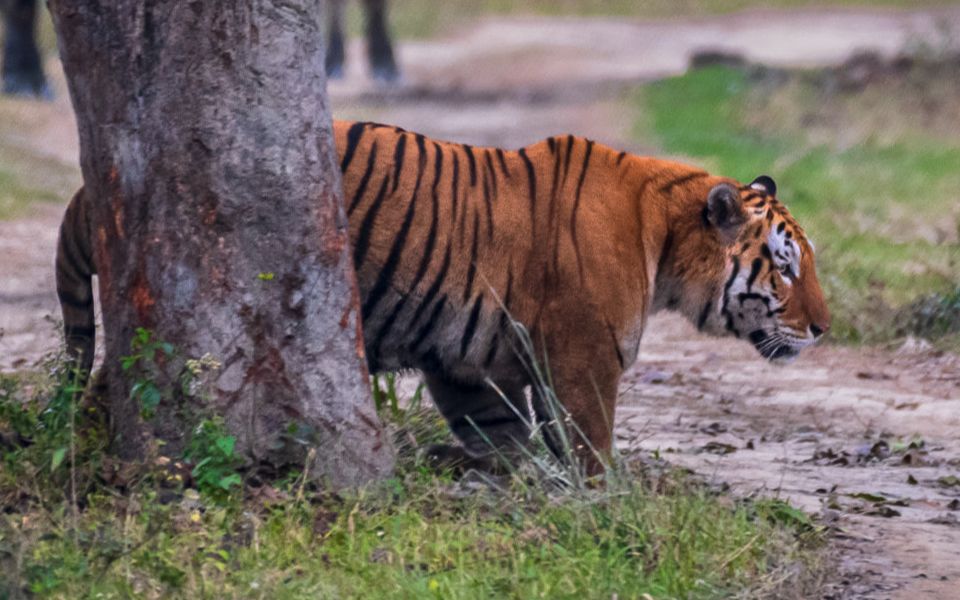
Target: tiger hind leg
column 491, row 425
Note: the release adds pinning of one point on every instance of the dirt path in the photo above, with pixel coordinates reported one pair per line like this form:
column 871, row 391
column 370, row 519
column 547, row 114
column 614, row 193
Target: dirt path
column 833, row 424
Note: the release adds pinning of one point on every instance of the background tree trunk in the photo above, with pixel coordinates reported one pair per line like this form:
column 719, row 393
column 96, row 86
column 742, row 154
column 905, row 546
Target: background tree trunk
column 206, row 148
column 22, row 69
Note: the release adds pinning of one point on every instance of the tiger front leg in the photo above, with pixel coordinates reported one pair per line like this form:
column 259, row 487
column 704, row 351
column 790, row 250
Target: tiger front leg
column 584, row 373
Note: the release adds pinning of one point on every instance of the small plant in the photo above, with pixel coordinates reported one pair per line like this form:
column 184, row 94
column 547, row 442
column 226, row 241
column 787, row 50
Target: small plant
column 386, row 399
column 416, row 535
column 215, row 465
column 146, row 351
column 934, row 315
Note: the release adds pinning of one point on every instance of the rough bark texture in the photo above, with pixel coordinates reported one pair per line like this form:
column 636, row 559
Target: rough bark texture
column 206, row 145
column 22, row 71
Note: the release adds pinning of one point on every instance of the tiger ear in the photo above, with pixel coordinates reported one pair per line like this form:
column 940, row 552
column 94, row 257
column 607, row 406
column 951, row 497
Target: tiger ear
column 765, row 184
column 724, row 211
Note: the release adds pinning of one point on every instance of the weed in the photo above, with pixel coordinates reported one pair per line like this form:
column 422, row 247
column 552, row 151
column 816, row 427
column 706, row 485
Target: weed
column 141, row 363
column 932, row 316
column 215, row 465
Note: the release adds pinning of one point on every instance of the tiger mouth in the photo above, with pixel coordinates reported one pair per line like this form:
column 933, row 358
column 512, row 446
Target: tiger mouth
column 773, row 347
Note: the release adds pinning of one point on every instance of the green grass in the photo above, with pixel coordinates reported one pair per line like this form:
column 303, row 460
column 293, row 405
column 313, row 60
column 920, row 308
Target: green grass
column 26, row 178
column 423, row 18
column 79, row 523
column 871, row 205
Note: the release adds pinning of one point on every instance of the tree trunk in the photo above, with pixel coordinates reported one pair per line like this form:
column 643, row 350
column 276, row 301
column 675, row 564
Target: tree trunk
column 22, row 71
column 207, row 151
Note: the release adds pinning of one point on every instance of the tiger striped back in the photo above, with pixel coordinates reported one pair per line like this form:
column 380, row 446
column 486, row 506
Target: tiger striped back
column 573, row 240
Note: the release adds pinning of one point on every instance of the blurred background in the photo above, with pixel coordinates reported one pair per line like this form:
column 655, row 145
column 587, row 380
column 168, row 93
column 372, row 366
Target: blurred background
column 852, row 106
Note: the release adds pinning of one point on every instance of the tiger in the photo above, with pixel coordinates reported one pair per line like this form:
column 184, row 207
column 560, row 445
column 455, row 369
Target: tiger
column 459, row 251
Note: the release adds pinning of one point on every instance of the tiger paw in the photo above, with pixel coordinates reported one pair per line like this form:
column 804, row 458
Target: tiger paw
column 448, row 457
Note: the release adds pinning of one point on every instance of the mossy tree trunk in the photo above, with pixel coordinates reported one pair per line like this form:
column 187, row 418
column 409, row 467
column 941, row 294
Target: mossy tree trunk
column 207, row 151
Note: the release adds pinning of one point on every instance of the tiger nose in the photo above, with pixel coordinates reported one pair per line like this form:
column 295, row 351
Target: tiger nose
column 818, row 330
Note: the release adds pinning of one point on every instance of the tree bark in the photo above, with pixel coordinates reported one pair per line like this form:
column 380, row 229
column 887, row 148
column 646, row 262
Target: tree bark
column 22, row 71
column 206, row 148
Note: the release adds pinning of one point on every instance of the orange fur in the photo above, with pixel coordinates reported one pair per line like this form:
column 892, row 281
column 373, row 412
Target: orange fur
column 577, row 242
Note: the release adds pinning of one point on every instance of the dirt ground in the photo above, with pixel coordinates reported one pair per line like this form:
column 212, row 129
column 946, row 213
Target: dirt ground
column 832, row 432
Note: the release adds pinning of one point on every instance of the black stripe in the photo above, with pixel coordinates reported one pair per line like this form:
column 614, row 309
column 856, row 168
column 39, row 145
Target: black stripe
column 620, row 158
column 471, row 327
column 492, row 352
column 454, row 191
column 354, row 134
column 424, row 261
column 754, row 271
column 726, row 296
column 503, row 163
column 576, row 205
column 566, row 158
column 488, row 202
column 733, row 275
column 365, row 180
column 704, row 314
column 552, row 142
column 765, row 251
column 437, row 168
column 68, row 298
column 366, row 226
column 533, row 185
column 463, row 217
column 434, row 217
column 398, row 160
column 70, row 257
column 551, row 214
column 506, row 296
column 493, row 175
column 429, row 324
column 682, row 180
column 473, row 164
column 434, row 288
column 385, row 277
column 744, row 296
column 554, row 186
column 504, row 316
column 376, row 340
column 472, row 268
column 502, row 324
column 421, row 164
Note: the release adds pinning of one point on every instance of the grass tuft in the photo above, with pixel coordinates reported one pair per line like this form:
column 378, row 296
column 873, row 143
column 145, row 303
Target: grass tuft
column 157, row 530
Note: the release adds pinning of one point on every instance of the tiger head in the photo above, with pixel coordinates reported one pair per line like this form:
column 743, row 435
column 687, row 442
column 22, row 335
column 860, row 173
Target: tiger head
column 760, row 282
